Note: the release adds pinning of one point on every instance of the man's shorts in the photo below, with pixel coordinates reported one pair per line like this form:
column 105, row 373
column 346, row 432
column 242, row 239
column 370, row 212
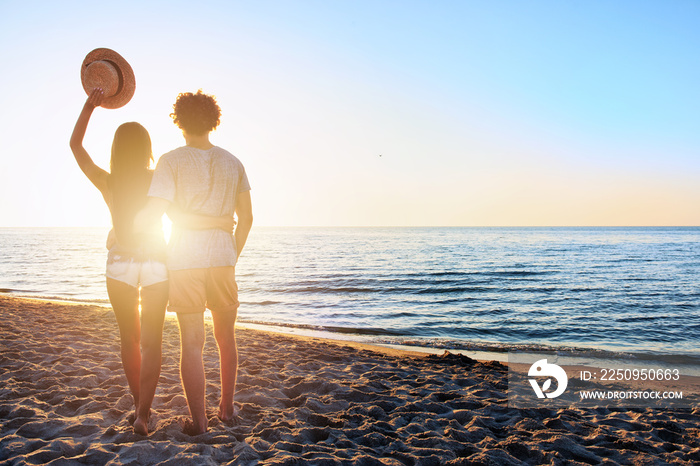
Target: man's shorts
column 194, row 290
column 134, row 272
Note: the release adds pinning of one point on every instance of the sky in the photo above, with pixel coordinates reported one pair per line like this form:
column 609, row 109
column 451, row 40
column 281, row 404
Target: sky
column 375, row 112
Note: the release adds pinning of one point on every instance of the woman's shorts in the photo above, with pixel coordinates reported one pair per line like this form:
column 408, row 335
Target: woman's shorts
column 134, row 272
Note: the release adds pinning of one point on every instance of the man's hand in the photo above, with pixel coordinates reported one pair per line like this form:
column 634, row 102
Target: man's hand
column 225, row 223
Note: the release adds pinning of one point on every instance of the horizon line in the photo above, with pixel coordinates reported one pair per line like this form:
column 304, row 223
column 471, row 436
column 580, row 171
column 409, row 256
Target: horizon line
column 394, row 226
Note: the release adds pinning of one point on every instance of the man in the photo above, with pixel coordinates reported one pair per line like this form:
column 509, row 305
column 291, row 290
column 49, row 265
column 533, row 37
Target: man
column 204, row 179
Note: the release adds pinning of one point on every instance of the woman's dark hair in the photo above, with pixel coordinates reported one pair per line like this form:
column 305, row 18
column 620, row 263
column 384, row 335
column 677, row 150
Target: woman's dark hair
column 129, row 178
column 196, row 114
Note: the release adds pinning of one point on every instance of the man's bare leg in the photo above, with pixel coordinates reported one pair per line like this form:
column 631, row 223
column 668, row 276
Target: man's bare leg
column 154, row 299
column 125, row 302
column 192, row 368
column 224, row 331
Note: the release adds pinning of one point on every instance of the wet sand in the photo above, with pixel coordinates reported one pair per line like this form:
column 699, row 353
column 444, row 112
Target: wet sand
column 64, row 400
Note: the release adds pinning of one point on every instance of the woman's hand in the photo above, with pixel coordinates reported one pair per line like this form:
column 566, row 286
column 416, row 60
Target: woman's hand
column 111, row 239
column 95, row 98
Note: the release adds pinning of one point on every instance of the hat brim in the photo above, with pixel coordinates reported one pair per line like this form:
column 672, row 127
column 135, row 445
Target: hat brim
column 127, row 80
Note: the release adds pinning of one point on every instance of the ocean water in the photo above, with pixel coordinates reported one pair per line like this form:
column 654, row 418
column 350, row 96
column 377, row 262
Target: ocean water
column 622, row 290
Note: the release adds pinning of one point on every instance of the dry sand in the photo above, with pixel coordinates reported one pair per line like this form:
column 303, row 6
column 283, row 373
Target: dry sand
column 64, row 400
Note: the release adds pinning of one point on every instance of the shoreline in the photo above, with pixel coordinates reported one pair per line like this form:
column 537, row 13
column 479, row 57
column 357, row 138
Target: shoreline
column 64, row 397
column 482, row 351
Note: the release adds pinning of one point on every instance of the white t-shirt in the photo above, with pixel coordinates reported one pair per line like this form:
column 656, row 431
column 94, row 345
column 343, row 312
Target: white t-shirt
column 204, row 182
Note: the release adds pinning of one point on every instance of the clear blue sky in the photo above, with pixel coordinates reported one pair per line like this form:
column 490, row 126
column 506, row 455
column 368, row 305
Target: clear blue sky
column 484, row 113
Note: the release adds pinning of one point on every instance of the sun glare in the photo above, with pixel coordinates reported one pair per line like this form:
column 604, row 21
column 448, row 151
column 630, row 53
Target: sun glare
column 167, row 227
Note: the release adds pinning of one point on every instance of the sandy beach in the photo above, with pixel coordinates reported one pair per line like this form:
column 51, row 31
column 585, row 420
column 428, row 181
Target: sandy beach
column 64, row 400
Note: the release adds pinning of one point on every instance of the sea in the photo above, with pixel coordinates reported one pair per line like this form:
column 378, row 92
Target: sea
column 628, row 292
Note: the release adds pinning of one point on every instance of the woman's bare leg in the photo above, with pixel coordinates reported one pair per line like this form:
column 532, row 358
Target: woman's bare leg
column 154, row 299
column 125, row 302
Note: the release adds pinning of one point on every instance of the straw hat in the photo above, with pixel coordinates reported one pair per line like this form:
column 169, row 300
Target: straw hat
column 106, row 69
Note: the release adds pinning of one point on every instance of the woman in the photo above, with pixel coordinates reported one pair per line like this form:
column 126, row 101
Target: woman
column 136, row 263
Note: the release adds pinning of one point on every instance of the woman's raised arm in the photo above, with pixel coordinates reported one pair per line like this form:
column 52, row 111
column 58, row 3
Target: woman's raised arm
column 95, row 174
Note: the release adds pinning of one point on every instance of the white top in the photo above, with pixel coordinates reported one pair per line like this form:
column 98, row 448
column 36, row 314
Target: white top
column 204, row 182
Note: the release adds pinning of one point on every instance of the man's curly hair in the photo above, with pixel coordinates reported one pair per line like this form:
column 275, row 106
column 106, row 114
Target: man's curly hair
column 196, row 114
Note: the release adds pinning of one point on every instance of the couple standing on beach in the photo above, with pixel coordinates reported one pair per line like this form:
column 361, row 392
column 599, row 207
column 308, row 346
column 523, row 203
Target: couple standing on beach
column 200, row 186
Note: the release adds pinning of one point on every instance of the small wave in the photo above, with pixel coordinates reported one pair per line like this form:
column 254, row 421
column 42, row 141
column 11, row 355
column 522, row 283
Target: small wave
column 456, row 289
column 445, row 273
column 329, row 328
column 533, row 289
column 337, row 289
column 48, row 297
column 689, row 306
column 403, row 314
column 634, row 319
column 14, row 290
column 432, row 290
column 491, row 347
column 515, row 273
column 362, row 331
column 459, row 300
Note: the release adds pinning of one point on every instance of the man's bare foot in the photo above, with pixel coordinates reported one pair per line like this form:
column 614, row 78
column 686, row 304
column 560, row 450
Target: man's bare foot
column 190, row 429
column 228, row 416
column 141, row 426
